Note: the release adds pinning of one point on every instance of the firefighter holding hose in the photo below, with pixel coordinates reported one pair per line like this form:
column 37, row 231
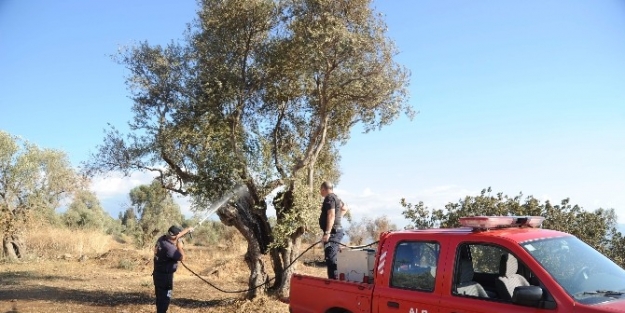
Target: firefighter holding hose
column 332, row 210
column 167, row 252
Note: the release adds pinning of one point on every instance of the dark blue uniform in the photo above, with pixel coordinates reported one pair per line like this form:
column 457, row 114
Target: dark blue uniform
column 331, row 248
column 166, row 259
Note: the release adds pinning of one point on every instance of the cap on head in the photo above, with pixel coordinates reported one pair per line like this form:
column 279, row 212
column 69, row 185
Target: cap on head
column 173, row 231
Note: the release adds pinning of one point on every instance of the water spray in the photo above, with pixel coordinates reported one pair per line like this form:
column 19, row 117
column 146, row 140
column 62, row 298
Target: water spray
column 236, row 192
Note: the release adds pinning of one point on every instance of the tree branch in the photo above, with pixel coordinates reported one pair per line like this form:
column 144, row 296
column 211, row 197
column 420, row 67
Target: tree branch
column 184, row 175
column 161, row 178
column 276, row 162
column 315, row 145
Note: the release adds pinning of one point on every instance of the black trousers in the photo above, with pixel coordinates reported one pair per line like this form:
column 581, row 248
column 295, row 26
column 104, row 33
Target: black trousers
column 331, row 252
column 163, row 285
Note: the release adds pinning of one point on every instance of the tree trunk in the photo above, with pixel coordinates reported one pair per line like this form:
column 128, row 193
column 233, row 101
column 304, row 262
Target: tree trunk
column 12, row 246
column 278, row 268
column 251, row 226
column 284, row 257
column 285, row 265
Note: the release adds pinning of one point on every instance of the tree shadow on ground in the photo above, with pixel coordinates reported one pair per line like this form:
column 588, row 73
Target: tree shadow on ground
column 98, row 297
column 19, row 277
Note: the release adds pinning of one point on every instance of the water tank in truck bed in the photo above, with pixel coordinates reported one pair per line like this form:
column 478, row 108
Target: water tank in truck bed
column 356, row 265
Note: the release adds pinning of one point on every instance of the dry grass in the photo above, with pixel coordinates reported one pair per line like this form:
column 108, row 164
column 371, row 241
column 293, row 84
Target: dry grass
column 48, row 242
column 117, row 278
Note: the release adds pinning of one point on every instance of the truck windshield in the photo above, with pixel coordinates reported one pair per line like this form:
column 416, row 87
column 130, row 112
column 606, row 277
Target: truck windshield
column 587, row 275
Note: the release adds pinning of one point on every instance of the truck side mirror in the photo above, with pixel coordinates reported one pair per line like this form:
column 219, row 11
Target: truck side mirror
column 527, row 295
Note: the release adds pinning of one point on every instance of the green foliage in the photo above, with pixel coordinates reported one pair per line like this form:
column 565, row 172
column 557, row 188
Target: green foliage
column 33, row 181
column 617, row 249
column 597, row 228
column 152, row 212
column 414, row 281
column 261, row 92
column 85, row 212
column 264, row 87
column 302, row 215
column 486, row 258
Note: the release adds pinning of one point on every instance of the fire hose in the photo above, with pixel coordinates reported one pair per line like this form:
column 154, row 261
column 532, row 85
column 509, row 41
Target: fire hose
column 216, row 205
column 274, row 278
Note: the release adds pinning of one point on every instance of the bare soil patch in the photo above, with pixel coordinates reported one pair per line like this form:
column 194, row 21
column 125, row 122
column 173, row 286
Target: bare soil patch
column 120, row 280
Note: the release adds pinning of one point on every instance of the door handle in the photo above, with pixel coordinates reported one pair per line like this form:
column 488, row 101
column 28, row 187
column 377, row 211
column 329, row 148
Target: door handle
column 392, row 304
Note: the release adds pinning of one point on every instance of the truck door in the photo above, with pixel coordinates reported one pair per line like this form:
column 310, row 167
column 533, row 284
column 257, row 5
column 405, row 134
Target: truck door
column 484, row 279
column 410, row 286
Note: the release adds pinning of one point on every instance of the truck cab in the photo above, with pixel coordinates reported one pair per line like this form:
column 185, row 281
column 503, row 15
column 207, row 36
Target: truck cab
column 494, row 264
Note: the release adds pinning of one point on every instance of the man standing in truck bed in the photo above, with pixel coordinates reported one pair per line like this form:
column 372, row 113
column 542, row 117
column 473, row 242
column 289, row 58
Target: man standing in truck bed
column 332, row 210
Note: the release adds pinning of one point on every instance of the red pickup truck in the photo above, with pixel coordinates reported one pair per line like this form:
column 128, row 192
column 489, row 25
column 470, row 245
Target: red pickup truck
column 492, row 265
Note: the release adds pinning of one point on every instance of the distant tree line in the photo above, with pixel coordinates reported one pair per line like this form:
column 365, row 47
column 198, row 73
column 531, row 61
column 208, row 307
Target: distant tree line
column 598, row 228
column 368, row 229
column 35, row 182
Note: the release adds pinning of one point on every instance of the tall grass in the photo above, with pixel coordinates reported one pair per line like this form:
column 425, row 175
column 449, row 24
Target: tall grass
column 52, row 242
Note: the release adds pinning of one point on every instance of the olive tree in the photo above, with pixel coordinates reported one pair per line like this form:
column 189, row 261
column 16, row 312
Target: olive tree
column 86, row 212
column 357, row 231
column 155, row 212
column 31, row 179
column 368, row 229
column 597, row 228
column 261, row 93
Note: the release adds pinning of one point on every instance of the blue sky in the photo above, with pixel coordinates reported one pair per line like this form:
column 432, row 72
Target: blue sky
column 518, row 95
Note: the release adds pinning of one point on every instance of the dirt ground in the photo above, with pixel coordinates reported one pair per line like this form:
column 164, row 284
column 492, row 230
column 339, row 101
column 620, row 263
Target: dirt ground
column 120, row 281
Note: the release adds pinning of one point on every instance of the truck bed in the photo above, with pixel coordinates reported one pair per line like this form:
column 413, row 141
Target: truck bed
column 313, row 295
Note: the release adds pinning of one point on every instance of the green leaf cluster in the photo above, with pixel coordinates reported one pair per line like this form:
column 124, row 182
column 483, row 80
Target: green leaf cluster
column 151, row 213
column 597, row 228
column 86, row 212
column 261, row 93
column 33, row 182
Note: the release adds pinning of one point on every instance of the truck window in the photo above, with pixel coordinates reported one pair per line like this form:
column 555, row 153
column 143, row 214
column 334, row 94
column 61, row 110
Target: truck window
column 486, row 258
column 489, row 272
column 582, row 271
column 414, row 265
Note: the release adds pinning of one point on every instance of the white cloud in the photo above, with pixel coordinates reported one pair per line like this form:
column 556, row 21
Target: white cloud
column 367, row 192
column 441, row 195
column 116, row 184
column 113, row 190
column 372, row 203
